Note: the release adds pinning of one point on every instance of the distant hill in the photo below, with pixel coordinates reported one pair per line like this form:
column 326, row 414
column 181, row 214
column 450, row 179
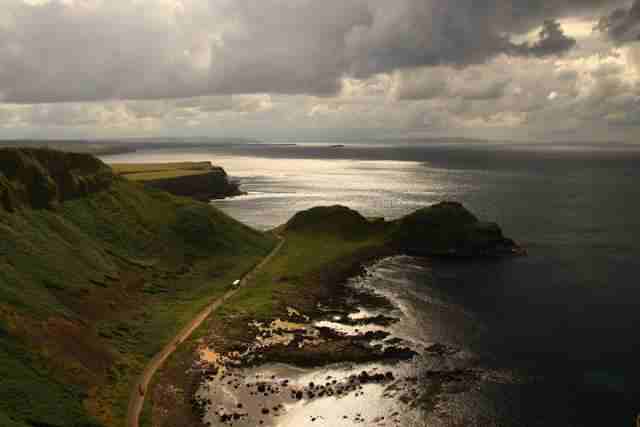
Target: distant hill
column 96, row 272
column 104, row 147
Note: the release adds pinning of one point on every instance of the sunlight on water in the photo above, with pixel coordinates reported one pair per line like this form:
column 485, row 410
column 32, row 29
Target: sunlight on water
column 277, row 188
column 375, row 188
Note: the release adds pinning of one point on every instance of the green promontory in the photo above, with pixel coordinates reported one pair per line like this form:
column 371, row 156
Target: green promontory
column 449, row 229
column 97, row 273
column 444, row 229
column 198, row 180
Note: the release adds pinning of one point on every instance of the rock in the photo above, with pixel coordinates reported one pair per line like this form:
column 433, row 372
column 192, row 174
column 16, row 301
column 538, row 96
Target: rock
column 442, row 349
column 448, row 229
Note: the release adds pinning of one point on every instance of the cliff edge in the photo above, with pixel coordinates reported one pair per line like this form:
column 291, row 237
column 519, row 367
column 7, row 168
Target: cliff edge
column 213, row 184
column 42, row 178
column 199, row 180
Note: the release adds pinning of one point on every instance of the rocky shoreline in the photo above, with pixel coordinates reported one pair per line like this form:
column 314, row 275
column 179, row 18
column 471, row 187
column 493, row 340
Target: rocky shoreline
column 320, row 342
column 329, row 336
column 294, row 336
column 265, row 372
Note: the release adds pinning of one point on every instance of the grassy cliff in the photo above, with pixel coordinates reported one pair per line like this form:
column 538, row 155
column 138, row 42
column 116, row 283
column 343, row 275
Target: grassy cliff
column 199, row 180
column 96, row 273
column 39, row 178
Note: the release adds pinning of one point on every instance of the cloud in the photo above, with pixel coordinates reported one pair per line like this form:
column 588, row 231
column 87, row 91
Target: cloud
column 623, row 24
column 444, row 82
column 481, row 68
column 420, row 83
column 552, row 41
column 73, row 50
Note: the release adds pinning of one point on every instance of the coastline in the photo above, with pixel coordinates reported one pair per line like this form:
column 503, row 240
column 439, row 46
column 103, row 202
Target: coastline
column 195, row 363
column 328, row 325
column 140, row 272
column 138, row 391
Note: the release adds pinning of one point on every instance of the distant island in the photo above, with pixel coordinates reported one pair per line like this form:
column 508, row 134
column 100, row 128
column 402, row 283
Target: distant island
column 98, row 273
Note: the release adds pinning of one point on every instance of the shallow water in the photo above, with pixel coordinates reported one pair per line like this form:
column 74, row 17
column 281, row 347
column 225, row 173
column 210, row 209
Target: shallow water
column 566, row 314
column 364, row 405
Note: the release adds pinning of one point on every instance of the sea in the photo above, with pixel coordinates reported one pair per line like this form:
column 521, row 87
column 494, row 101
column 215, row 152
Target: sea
column 564, row 320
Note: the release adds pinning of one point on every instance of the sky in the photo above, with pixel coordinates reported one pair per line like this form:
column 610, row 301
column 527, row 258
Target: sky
column 520, row 70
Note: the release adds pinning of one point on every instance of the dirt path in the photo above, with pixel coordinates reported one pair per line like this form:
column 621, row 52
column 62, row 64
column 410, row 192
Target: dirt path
column 136, row 399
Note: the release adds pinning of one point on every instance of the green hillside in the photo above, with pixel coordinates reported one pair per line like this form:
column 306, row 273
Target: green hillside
column 96, row 273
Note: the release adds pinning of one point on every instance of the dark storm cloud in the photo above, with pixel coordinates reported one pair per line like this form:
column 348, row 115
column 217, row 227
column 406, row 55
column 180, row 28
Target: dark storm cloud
column 552, row 41
column 622, row 25
column 55, row 51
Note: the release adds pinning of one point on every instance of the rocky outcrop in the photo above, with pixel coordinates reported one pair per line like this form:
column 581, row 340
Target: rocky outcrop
column 41, row 178
column 212, row 184
column 448, row 229
column 445, row 229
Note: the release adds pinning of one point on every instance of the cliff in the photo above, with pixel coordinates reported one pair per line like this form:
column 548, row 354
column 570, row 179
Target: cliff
column 198, row 180
column 213, row 184
column 42, row 178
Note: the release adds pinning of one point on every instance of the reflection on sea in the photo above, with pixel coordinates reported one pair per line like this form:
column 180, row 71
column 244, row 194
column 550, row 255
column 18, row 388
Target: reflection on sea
column 433, row 388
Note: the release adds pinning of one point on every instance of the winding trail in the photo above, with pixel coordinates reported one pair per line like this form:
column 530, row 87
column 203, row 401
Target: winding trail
column 139, row 389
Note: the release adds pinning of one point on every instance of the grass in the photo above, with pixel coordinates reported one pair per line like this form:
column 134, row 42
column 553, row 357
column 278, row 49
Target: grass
column 312, row 247
column 139, row 337
column 28, row 389
column 90, row 290
column 308, row 252
column 153, row 171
